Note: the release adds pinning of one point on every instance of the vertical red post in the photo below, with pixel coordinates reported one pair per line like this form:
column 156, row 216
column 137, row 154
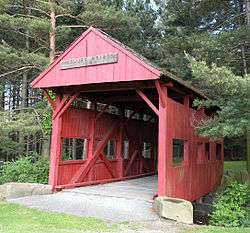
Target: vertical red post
column 120, row 166
column 222, row 157
column 92, row 142
column 164, row 156
column 55, row 150
column 92, row 106
column 120, row 149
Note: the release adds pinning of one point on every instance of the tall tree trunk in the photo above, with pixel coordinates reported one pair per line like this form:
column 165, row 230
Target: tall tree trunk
column 2, row 97
column 248, row 12
column 248, row 130
column 24, row 86
column 52, row 53
column 14, row 96
column 46, row 146
column 52, row 34
column 244, row 61
column 24, row 92
column 25, row 74
column 248, row 151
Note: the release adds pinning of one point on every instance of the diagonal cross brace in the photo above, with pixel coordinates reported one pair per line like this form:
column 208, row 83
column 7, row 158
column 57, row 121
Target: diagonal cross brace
column 147, row 100
column 60, row 106
column 102, row 112
column 83, row 171
column 71, row 100
column 131, row 162
column 64, row 105
column 107, row 163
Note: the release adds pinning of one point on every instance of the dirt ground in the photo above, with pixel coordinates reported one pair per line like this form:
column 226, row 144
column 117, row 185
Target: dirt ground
column 154, row 226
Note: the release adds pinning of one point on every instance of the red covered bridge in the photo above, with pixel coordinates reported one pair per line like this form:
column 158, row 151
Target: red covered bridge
column 118, row 117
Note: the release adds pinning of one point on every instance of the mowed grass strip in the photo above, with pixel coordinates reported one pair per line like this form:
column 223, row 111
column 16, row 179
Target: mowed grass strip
column 235, row 166
column 17, row 219
column 213, row 229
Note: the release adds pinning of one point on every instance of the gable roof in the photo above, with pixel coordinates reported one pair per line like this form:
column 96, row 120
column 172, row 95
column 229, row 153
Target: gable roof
column 129, row 67
column 163, row 72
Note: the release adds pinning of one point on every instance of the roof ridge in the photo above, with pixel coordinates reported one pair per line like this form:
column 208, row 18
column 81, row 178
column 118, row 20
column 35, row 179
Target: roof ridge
column 125, row 49
column 148, row 62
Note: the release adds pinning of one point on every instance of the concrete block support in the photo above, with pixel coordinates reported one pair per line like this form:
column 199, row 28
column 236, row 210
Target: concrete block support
column 15, row 190
column 175, row 209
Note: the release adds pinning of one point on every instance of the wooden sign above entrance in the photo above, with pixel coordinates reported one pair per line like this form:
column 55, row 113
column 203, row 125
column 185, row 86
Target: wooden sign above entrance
column 89, row 61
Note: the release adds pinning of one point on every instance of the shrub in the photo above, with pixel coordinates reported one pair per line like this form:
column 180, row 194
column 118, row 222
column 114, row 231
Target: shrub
column 28, row 169
column 230, row 206
column 42, row 171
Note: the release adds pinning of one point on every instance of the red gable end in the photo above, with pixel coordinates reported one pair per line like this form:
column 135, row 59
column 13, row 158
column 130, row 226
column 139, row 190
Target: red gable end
column 124, row 65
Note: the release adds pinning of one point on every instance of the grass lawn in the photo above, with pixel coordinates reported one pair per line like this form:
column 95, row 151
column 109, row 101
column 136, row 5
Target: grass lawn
column 235, row 166
column 211, row 229
column 17, row 219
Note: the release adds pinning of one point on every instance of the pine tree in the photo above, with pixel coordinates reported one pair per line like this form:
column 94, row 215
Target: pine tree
column 208, row 30
column 33, row 33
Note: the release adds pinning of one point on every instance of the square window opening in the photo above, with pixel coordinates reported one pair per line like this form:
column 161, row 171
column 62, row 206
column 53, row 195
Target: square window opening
column 110, row 149
column 218, row 151
column 207, row 150
column 126, row 149
column 146, row 150
column 178, row 151
column 74, row 149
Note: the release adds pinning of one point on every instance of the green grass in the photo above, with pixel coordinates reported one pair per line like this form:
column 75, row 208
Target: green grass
column 17, row 219
column 212, row 229
column 235, row 166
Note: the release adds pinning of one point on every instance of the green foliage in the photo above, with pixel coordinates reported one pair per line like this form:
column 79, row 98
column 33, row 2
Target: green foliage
column 9, row 146
column 45, row 113
column 204, row 30
column 41, row 171
column 33, row 121
column 35, row 25
column 110, row 19
column 146, row 40
column 227, row 91
column 27, row 122
column 11, row 123
column 12, row 59
column 47, row 120
column 26, row 169
column 229, row 208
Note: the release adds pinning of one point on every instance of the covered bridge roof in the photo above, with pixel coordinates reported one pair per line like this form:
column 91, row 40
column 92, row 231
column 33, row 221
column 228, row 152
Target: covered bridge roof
column 95, row 57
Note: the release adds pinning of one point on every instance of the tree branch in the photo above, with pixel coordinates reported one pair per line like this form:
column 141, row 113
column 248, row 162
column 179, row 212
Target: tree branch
column 31, row 8
column 25, row 34
column 19, row 69
column 226, row 21
column 27, row 16
column 74, row 26
column 36, row 115
column 70, row 16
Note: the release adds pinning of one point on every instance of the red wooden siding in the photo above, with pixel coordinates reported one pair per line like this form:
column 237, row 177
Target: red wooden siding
column 189, row 180
column 77, row 124
column 91, row 43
